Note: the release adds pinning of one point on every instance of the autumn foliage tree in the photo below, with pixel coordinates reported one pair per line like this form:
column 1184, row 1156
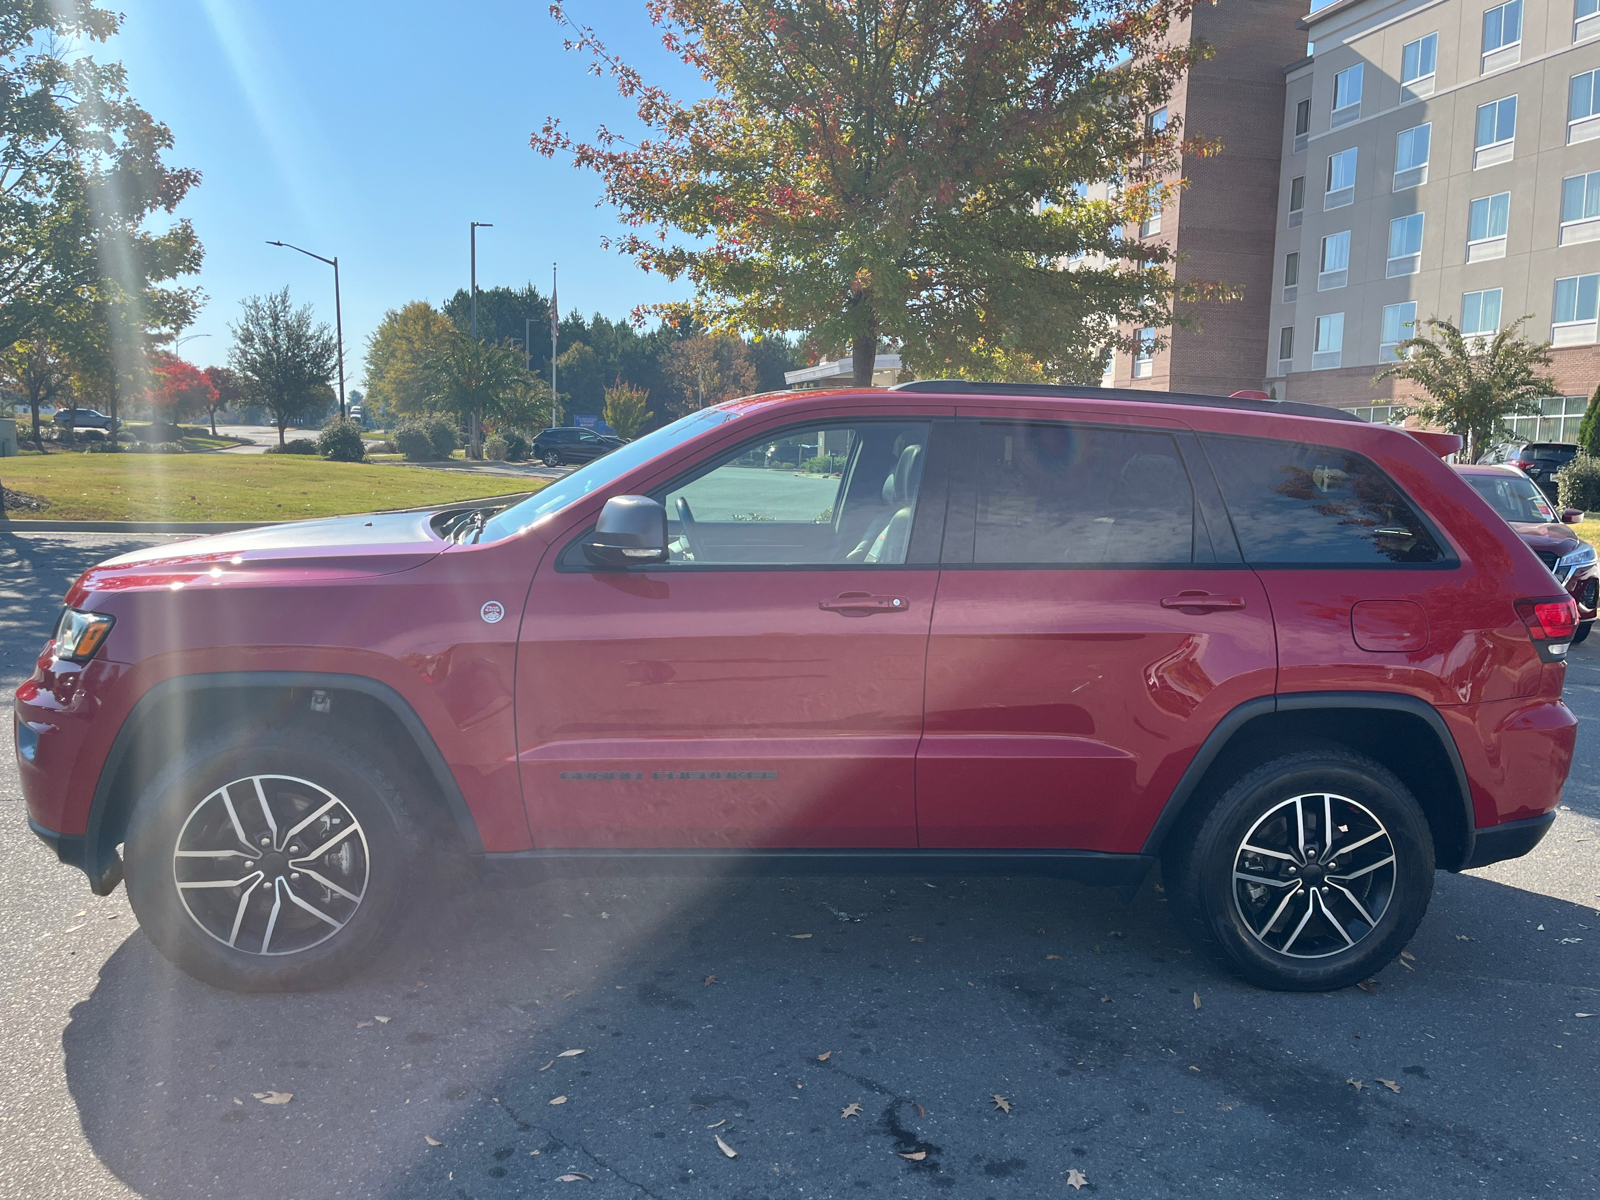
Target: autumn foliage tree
column 177, row 390
column 903, row 171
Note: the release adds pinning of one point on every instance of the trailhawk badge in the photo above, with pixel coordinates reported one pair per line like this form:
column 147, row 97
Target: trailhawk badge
column 492, row 611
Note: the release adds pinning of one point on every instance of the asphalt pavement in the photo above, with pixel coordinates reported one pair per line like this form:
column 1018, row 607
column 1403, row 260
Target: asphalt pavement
column 755, row 1013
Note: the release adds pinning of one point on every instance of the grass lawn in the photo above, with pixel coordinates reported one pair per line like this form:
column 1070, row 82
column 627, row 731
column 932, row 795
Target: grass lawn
column 1589, row 531
column 231, row 487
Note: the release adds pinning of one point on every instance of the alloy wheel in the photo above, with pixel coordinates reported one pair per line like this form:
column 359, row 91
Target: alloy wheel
column 271, row 864
column 1314, row 875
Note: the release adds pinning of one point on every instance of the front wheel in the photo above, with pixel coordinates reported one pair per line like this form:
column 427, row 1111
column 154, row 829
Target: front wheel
column 1583, row 631
column 552, row 458
column 1310, row 873
column 271, row 864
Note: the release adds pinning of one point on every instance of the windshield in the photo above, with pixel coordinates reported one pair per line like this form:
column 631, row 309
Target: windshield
column 1514, row 497
column 602, row 471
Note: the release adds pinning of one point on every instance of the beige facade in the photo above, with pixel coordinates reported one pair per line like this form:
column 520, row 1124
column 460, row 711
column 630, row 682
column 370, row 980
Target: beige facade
column 1463, row 190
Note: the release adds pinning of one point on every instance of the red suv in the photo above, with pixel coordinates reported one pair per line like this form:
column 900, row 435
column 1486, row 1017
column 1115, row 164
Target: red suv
column 948, row 626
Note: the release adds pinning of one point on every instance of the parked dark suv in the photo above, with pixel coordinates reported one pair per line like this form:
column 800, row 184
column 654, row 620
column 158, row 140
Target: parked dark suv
column 1539, row 460
column 572, row 445
column 1288, row 654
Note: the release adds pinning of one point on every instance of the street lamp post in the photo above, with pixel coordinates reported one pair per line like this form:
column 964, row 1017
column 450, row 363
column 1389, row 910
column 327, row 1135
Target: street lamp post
column 187, row 338
column 472, row 435
column 338, row 316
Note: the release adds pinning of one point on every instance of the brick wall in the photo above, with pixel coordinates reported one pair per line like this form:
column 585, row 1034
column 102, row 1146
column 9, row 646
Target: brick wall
column 1576, row 369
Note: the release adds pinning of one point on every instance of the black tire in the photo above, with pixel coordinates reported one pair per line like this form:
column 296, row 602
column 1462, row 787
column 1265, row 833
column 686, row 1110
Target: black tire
column 1234, row 915
column 365, row 821
column 552, row 458
column 1583, row 631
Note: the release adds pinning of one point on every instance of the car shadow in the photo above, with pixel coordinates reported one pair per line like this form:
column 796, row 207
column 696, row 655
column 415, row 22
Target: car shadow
column 993, row 1032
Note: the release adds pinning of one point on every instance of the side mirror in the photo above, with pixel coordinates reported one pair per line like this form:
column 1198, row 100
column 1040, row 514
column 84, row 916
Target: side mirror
column 631, row 530
column 1571, row 516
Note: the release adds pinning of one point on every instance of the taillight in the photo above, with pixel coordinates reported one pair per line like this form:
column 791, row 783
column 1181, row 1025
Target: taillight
column 1551, row 623
column 1522, row 464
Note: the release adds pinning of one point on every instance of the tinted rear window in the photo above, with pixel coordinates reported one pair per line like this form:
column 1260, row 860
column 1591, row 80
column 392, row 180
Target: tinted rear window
column 1297, row 503
column 1550, row 453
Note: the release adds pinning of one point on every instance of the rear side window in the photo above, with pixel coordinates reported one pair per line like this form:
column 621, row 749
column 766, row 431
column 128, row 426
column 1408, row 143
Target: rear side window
column 1293, row 503
column 1054, row 495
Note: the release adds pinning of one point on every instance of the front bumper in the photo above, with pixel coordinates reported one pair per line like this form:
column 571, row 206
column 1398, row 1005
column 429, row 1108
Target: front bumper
column 72, row 849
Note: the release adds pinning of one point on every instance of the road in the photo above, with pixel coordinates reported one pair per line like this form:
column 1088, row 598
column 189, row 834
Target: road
column 703, row 1012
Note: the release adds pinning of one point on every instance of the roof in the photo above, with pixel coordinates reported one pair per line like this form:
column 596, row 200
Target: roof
column 1050, row 391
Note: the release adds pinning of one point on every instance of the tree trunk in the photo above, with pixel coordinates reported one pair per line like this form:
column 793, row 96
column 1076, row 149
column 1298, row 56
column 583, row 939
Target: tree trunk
column 281, row 422
column 38, row 438
column 863, row 356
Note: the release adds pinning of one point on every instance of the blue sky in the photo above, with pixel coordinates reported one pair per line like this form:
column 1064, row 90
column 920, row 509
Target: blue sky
column 376, row 132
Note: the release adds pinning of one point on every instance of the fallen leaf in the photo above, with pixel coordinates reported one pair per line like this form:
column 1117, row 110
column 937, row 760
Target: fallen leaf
column 1107, row 1000
column 1406, row 965
column 1048, row 957
column 825, row 1056
column 1408, row 956
column 383, row 1020
column 569, row 1054
column 432, row 1141
column 1461, row 937
column 1541, row 927
column 548, row 1065
column 1583, row 1014
column 571, row 994
column 921, row 1112
column 1355, row 1083
column 852, row 1110
column 915, row 1155
column 799, row 937
column 709, row 980
column 363, row 1024
column 573, row 1177
column 719, row 1124
column 236, row 1100
column 916, row 938
column 273, row 1097
column 559, row 1100
column 1192, row 1067
column 1368, row 986
column 725, row 1148
column 1197, row 1000
column 533, row 1154
column 1076, row 1179
column 1390, row 1084
column 932, row 885
column 1002, row 1103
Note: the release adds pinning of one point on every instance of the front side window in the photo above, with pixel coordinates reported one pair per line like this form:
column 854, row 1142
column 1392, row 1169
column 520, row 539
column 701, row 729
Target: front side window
column 1296, row 504
column 841, row 494
column 1405, row 245
column 1418, row 58
column 1497, row 122
column 1580, row 197
column 1346, row 90
column 1577, row 300
column 1480, row 312
column 1489, row 217
column 1328, row 345
column 1399, row 323
column 1502, row 26
column 1067, row 495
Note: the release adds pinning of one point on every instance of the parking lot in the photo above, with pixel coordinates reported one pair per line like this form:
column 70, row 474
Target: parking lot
column 995, row 1034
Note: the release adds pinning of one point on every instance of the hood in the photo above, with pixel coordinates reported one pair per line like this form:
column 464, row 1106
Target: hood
column 300, row 551
column 1550, row 537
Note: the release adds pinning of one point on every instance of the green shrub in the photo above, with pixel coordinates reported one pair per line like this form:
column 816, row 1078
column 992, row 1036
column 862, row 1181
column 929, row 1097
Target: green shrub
column 156, row 448
column 424, row 438
column 1578, row 483
column 516, row 447
column 340, row 441
column 298, row 446
column 495, row 448
column 382, row 447
column 442, row 432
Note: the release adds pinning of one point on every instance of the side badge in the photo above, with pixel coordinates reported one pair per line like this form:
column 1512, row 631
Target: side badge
column 492, row 611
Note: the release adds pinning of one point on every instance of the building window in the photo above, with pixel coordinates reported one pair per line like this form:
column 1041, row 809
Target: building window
column 1341, row 180
column 1405, row 246
column 1399, row 323
column 1502, row 36
column 1583, row 107
column 1302, row 123
column 1559, row 420
column 1383, row 414
column 1480, row 313
column 1576, row 309
column 1154, row 124
column 1497, row 131
column 1335, row 270
column 1291, row 276
column 1585, row 20
column 1152, row 222
column 1144, row 358
column 1411, row 156
column 1580, row 208
column 1417, row 61
column 1328, row 348
column 1285, row 349
column 1297, row 200
column 1347, row 95
column 1486, row 227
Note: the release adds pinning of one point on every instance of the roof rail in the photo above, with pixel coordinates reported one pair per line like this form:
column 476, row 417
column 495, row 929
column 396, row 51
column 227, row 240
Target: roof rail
column 1068, row 391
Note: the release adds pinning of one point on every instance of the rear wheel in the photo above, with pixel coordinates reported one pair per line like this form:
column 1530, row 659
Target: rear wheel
column 268, row 864
column 552, row 458
column 1311, row 872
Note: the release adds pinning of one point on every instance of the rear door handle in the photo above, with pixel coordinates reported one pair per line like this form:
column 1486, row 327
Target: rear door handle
column 861, row 604
column 1203, row 601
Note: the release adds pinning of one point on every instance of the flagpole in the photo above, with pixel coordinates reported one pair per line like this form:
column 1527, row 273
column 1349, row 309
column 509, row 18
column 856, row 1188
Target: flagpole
column 555, row 319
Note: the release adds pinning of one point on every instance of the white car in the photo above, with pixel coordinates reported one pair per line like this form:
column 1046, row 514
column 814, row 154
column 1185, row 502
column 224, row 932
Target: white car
column 84, row 418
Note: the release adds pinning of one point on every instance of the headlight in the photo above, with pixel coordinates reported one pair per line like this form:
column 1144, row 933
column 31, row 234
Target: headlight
column 1583, row 556
column 80, row 634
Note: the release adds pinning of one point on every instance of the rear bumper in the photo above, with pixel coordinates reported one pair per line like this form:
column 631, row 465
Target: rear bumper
column 72, row 849
column 1511, row 840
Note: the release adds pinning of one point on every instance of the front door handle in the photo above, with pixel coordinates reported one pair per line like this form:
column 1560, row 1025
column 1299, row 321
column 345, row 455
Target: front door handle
column 863, row 604
column 1201, row 602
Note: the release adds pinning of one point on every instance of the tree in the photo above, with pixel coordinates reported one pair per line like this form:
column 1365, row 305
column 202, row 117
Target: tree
column 1589, row 427
column 710, row 368
column 579, row 371
column 475, row 378
column 625, row 411
column 1471, row 386
column 178, row 389
column 284, row 360
column 37, row 370
column 228, row 392
column 399, row 351
column 904, row 171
